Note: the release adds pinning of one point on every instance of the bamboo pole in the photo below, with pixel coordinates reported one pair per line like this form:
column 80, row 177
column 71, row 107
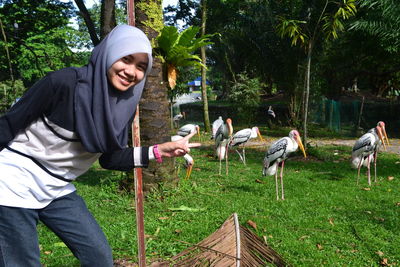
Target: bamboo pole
column 137, row 172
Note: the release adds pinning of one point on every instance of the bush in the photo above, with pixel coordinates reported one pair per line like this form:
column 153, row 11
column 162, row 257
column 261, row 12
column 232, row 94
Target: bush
column 9, row 92
column 245, row 92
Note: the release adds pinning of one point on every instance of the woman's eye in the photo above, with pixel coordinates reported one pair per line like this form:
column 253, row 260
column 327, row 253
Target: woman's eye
column 141, row 67
column 126, row 59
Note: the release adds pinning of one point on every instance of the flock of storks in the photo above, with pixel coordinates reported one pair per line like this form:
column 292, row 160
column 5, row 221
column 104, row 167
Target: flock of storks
column 364, row 151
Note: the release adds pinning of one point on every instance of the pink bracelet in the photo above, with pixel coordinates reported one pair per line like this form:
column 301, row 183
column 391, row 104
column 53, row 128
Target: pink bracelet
column 157, row 154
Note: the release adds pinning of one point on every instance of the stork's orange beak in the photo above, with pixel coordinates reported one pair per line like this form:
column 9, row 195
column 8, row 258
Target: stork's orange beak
column 189, row 171
column 298, row 140
column 198, row 132
column 230, row 127
column 386, row 137
column 379, row 131
column 260, row 136
column 383, row 142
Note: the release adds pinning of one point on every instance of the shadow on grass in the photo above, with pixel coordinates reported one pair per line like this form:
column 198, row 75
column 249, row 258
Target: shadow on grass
column 96, row 176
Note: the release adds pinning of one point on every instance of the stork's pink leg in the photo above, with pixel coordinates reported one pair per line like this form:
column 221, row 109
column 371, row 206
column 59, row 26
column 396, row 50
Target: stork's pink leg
column 220, row 165
column 368, row 170
column 244, row 155
column 358, row 171
column 276, row 182
column 375, row 159
column 226, row 158
column 220, row 159
column 283, row 192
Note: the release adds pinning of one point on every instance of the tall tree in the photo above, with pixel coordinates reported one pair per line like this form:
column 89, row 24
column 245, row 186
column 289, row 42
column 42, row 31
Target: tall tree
column 248, row 43
column 107, row 19
column 206, row 117
column 326, row 19
column 154, row 106
column 88, row 21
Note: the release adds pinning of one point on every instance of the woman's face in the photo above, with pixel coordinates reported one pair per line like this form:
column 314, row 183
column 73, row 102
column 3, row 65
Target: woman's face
column 128, row 71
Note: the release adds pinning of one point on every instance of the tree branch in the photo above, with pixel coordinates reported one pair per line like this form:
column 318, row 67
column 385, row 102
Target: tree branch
column 88, row 21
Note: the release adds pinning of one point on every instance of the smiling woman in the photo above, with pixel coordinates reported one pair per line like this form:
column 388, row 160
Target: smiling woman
column 128, row 71
column 63, row 124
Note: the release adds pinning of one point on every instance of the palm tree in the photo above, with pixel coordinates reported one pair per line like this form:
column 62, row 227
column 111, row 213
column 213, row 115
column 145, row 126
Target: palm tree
column 206, row 117
column 381, row 20
column 154, row 111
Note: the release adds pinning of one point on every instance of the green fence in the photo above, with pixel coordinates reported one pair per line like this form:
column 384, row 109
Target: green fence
column 339, row 116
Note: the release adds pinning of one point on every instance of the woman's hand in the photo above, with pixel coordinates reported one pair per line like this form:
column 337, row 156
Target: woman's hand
column 177, row 148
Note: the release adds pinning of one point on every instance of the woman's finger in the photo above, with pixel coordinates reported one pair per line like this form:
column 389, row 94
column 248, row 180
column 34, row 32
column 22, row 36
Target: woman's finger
column 194, row 144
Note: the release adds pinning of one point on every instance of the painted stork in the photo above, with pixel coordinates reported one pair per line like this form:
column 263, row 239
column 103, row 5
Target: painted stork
column 222, row 138
column 242, row 137
column 376, row 150
column 278, row 153
column 189, row 128
column 215, row 125
column 271, row 112
column 365, row 150
column 189, row 162
column 178, row 117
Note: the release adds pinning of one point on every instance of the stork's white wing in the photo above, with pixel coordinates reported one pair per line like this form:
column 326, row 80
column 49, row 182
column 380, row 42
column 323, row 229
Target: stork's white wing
column 221, row 134
column 241, row 137
column 364, row 143
column 216, row 124
column 277, row 150
column 186, row 129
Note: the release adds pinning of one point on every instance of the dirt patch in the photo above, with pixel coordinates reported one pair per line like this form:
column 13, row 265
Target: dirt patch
column 393, row 148
column 263, row 146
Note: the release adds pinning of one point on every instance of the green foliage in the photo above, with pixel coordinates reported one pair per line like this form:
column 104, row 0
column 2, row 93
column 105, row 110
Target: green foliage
column 38, row 37
column 246, row 90
column 381, row 19
column 178, row 49
column 9, row 92
column 292, row 29
column 182, row 12
column 248, row 42
column 326, row 219
column 245, row 93
column 329, row 22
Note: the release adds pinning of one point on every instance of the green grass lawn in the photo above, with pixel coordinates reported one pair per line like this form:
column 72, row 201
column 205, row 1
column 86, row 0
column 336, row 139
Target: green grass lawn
column 326, row 219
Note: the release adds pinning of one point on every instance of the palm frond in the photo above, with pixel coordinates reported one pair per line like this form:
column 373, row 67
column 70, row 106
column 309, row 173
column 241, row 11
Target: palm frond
column 231, row 245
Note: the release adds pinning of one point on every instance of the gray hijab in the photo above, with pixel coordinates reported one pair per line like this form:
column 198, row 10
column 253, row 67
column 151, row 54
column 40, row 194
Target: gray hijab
column 103, row 114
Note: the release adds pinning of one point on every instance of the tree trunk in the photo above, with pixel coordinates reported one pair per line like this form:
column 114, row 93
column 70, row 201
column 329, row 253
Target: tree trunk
column 88, row 21
column 7, row 51
column 107, row 18
column 207, row 126
column 154, row 110
column 308, row 70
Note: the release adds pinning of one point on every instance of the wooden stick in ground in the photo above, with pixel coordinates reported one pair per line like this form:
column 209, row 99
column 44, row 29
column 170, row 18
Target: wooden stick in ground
column 137, row 172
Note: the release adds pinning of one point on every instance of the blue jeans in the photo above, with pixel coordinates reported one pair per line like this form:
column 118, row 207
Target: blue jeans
column 68, row 217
